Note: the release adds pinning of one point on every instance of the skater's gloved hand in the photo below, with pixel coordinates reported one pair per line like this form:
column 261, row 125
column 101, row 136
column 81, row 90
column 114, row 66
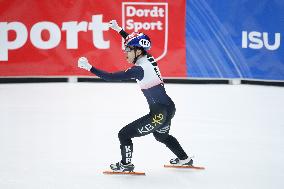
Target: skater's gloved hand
column 84, row 64
column 113, row 25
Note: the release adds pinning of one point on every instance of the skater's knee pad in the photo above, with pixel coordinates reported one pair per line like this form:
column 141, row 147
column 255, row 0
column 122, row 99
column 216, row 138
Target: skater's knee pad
column 122, row 135
column 124, row 138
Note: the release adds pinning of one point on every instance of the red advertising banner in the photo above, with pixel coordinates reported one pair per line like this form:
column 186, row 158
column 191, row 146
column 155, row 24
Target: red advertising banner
column 46, row 38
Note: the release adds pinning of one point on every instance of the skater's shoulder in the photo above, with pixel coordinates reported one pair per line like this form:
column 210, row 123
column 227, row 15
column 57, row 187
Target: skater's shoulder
column 136, row 72
column 137, row 68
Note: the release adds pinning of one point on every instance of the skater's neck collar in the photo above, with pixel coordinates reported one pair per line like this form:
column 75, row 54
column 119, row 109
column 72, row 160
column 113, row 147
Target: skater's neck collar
column 140, row 60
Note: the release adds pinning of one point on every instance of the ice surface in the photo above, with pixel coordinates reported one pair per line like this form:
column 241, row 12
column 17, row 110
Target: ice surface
column 63, row 135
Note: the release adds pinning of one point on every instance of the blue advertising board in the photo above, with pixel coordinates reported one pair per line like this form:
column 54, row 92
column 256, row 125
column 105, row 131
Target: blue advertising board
column 235, row 39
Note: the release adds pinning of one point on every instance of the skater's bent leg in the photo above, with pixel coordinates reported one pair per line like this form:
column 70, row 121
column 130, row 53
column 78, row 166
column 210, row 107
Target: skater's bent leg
column 126, row 146
column 140, row 127
column 172, row 143
column 125, row 135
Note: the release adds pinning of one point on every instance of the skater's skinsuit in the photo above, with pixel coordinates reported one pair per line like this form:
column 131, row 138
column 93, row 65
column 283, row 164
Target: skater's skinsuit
column 162, row 109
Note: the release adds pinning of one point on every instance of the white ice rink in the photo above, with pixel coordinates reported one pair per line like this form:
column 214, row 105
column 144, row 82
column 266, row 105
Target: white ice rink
column 62, row 136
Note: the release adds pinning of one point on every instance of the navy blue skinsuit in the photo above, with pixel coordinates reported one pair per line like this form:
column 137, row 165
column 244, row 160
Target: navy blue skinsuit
column 162, row 108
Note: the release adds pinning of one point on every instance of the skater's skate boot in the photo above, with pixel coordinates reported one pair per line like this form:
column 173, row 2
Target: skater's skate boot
column 177, row 161
column 120, row 167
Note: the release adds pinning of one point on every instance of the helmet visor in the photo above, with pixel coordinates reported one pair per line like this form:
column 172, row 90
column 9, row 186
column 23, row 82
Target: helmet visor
column 128, row 49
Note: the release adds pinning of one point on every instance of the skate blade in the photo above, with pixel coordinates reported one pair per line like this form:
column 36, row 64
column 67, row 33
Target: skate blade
column 124, row 173
column 184, row 167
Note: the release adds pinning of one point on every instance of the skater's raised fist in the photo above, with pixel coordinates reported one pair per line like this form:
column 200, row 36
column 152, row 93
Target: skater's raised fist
column 84, row 63
column 113, row 25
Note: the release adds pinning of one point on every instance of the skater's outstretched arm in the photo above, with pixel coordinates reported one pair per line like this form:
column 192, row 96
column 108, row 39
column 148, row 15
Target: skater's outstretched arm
column 135, row 72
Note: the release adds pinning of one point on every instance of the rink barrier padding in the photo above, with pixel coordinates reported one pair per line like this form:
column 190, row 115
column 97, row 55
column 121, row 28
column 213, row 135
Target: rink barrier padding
column 98, row 80
column 32, row 80
column 190, row 38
